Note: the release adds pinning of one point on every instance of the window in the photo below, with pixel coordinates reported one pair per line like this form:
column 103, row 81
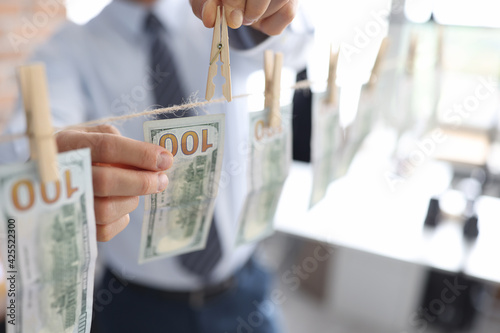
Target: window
column 81, row 12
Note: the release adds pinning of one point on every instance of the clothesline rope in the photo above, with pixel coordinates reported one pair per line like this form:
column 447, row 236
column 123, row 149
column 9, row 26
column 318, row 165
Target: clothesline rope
column 300, row 85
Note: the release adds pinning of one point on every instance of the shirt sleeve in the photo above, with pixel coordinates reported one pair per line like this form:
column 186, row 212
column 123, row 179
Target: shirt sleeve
column 66, row 98
column 245, row 37
column 294, row 43
column 64, row 59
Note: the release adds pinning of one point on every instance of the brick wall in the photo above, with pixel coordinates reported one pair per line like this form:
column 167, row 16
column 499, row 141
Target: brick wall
column 23, row 25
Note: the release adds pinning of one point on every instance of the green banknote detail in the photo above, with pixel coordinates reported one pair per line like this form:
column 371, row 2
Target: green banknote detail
column 269, row 163
column 55, row 245
column 177, row 220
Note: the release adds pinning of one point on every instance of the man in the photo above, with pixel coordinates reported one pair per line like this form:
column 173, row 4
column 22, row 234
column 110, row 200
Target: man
column 116, row 64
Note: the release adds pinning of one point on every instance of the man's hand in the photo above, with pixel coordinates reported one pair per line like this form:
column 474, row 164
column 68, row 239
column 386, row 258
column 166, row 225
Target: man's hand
column 268, row 16
column 122, row 170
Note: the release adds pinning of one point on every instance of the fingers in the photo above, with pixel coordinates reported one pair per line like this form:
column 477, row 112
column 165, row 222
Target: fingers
column 276, row 22
column 122, row 170
column 238, row 12
column 107, row 231
column 110, row 209
column 114, row 149
column 254, row 10
column 112, row 215
column 234, row 12
column 110, row 181
column 197, row 7
column 104, row 128
column 205, row 10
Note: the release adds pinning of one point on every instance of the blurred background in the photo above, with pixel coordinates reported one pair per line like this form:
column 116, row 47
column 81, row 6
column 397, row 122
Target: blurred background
column 411, row 208
column 398, row 230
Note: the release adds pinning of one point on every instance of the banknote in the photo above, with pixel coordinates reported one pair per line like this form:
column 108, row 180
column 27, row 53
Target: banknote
column 269, row 163
column 348, row 150
column 326, row 141
column 48, row 239
column 367, row 116
column 177, row 220
column 354, row 135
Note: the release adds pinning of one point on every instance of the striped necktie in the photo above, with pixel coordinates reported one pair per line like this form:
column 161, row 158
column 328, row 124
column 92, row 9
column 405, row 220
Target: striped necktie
column 169, row 92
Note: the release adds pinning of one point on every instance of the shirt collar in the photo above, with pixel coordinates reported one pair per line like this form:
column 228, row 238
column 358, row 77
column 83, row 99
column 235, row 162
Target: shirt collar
column 130, row 16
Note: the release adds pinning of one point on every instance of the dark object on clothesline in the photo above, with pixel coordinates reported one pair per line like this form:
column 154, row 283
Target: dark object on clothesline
column 302, row 122
column 433, row 213
column 471, row 229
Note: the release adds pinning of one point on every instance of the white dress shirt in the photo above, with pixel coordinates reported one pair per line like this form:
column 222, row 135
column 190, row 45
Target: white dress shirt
column 101, row 69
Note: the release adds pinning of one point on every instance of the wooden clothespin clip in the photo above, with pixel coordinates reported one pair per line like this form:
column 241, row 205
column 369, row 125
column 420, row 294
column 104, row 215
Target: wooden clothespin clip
column 412, row 53
column 378, row 62
column 440, row 47
column 332, row 76
column 43, row 146
column 220, row 48
column 272, row 71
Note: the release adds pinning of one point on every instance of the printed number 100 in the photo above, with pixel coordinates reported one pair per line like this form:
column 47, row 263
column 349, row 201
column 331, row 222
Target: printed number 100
column 184, row 142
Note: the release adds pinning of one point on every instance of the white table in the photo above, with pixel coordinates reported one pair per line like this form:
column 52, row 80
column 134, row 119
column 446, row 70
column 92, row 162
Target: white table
column 362, row 212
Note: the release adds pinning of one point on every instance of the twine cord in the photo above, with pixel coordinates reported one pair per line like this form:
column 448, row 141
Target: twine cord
column 300, row 85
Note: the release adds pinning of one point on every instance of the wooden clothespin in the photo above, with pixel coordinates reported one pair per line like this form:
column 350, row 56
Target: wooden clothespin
column 220, row 48
column 440, row 47
column 378, row 62
column 412, row 53
column 43, row 146
column 272, row 71
column 332, row 76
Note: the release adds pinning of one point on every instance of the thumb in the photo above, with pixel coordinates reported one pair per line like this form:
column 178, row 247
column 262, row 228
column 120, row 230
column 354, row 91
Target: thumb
column 205, row 10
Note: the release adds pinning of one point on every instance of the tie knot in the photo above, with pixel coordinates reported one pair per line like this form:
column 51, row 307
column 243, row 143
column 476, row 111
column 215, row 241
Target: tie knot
column 152, row 25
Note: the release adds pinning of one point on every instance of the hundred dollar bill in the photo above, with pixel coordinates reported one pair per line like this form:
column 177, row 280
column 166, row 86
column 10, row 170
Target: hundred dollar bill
column 177, row 220
column 326, row 142
column 354, row 135
column 269, row 162
column 48, row 239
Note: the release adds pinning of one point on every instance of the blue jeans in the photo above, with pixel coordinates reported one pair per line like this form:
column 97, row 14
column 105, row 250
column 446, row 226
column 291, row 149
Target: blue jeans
column 244, row 308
